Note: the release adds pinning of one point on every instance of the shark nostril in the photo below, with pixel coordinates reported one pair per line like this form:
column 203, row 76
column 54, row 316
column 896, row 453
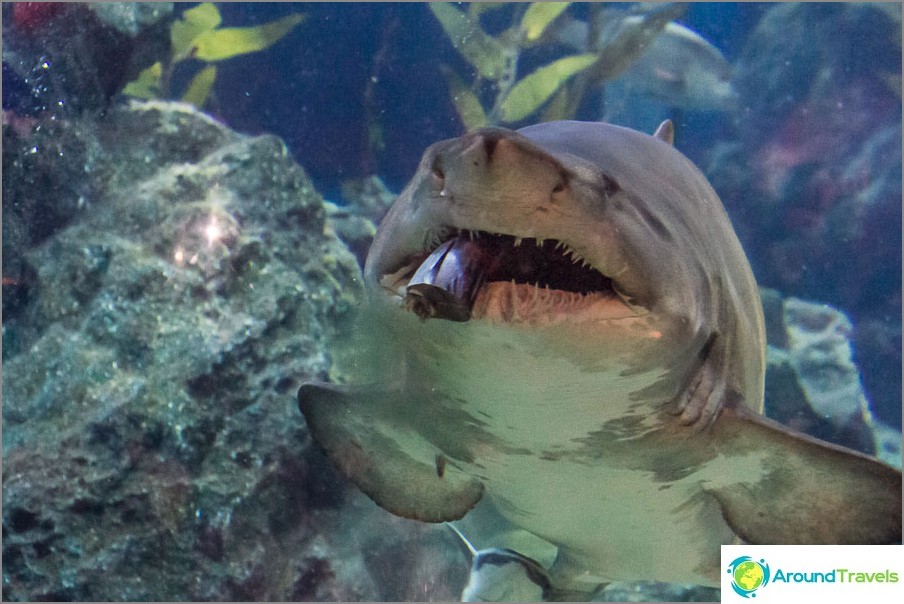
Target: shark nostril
column 489, row 146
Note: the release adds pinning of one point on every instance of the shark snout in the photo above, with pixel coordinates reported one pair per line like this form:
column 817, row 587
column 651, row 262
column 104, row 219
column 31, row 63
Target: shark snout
column 478, row 158
column 497, row 170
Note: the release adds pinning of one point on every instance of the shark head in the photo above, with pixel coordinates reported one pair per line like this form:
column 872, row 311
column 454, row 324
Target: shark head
column 582, row 228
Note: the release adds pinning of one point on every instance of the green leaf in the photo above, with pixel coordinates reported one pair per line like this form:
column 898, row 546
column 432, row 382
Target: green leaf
column 475, row 9
column 557, row 108
column 534, row 89
column 466, row 102
column 205, row 16
column 199, row 88
column 147, row 84
column 538, row 16
column 481, row 50
column 194, row 22
column 220, row 44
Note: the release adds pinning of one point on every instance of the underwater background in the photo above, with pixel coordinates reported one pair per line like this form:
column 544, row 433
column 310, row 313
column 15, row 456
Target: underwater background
column 189, row 191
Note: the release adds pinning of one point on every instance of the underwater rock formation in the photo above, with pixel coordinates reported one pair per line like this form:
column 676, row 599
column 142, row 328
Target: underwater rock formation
column 152, row 445
column 68, row 58
column 812, row 383
column 365, row 202
column 812, row 178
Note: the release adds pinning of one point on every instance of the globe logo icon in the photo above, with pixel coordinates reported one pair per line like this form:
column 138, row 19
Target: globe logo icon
column 748, row 575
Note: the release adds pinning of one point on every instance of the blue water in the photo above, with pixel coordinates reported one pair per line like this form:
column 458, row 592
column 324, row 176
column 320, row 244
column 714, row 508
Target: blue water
column 309, row 89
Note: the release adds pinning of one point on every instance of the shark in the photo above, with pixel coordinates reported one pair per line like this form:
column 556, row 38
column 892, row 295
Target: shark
column 570, row 343
column 673, row 64
column 681, row 69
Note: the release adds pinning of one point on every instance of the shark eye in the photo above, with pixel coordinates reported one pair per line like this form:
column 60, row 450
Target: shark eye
column 562, row 183
column 610, row 187
column 437, row 172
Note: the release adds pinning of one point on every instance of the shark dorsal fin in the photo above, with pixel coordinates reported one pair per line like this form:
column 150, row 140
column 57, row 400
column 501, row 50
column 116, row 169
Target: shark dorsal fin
column 666, row 132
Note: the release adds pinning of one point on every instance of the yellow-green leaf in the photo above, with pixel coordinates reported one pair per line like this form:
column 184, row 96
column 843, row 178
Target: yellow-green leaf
column 205, row 16
column 481, row 50
column 220, row 44
column 199, row 88
column 147, row 84
column 538, row 16
column 194, row 22
column 466, row 102
column 557, row 108
column 534, row 89
column 475, row 9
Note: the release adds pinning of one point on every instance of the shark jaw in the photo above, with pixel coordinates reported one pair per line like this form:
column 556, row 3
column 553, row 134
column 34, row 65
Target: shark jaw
column 469, row 274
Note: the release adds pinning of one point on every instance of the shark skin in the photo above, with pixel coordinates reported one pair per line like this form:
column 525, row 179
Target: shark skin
column 600, row 385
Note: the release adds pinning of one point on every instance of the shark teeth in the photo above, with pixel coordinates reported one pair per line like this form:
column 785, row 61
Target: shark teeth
column 549, row 263
column 440, row 236
column 575, row 257
column 435, row 237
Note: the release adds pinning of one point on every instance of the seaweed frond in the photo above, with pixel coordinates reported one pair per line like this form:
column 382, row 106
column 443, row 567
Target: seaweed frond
column 198, row 36
column 612, row 41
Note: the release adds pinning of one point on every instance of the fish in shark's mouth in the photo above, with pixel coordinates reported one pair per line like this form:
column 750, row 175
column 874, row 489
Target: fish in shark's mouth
column 475, row 274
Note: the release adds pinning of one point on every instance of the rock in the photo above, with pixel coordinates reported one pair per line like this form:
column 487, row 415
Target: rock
column 368, row 197
column 648, row 591
column 812, row 383
column 820, row 352
column 357, row 232
column 797, row 49
column 365, row 201
column 812, row 174
column 888, row 444
column 153, row 449
column 67, row 59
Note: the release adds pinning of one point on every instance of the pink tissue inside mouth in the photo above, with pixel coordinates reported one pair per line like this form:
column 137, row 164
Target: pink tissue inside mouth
column 507, row 302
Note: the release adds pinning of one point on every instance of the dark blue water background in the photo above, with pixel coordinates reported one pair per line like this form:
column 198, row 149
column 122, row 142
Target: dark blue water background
column 309, row 89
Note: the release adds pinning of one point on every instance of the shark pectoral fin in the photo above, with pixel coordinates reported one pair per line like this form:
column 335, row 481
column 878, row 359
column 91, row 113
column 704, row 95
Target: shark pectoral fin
column 388, row 460
column 793, row 489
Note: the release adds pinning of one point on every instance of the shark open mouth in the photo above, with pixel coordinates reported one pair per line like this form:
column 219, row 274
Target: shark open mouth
column 475, row 275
